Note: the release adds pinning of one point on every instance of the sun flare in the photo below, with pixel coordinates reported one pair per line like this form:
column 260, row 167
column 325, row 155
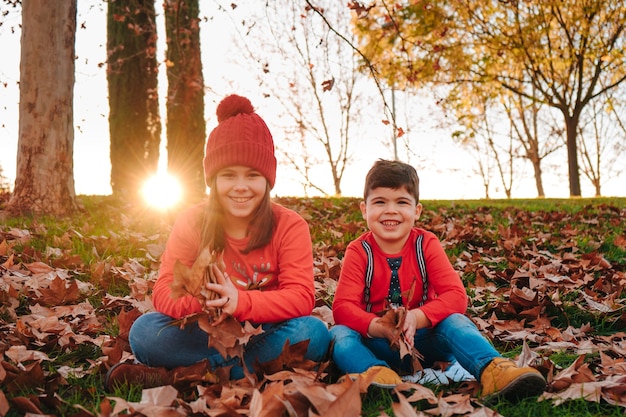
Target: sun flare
column 162, row 191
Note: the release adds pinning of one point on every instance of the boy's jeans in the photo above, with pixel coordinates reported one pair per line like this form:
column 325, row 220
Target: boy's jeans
column 155, row 342
column 456, row 337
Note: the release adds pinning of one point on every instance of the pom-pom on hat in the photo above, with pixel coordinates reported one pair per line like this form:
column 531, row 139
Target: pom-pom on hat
column 240, row 138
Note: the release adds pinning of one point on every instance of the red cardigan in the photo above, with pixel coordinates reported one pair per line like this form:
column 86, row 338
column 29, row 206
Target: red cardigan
column 446, row 293
column 283, row 270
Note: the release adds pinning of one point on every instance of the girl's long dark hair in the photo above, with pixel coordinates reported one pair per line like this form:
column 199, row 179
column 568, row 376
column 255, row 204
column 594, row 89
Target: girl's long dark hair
column 260, row 228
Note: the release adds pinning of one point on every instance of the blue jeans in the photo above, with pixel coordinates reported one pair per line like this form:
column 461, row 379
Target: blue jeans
column 455, row 338
column 155, row 342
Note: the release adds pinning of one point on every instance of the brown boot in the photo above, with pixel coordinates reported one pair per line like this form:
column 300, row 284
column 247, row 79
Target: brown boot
column 144, row 376
column 379, row 376
column 503, row 379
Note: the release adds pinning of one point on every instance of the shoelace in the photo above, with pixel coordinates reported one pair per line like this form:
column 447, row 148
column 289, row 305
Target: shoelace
column 502, row 366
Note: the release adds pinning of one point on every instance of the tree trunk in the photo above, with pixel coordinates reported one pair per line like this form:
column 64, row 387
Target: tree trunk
column 186, row 127
column 538, row 177
column 44, row 182
column 134, row 121
column 571, row 124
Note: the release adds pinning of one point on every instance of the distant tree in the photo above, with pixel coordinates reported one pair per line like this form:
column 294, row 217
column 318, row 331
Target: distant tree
column 5, row 186
column 312, row 74
column 531, row 136
column 134, row 121
column 602, row 141
column 560, row 54
column 186, row 126
column 537, row 136
column 44, row 182
column 492, row 150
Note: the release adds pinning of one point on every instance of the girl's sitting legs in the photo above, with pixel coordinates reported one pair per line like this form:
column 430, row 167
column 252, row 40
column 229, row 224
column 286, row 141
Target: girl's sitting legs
column 155, row 342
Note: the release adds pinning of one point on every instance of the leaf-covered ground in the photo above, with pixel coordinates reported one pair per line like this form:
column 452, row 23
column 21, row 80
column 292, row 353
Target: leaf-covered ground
column 545, row 278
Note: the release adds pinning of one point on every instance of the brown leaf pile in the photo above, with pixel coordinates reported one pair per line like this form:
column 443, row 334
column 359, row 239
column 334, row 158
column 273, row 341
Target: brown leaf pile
column 541, row 281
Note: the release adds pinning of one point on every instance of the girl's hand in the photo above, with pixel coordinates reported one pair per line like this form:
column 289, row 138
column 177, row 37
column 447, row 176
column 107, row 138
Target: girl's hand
column 229, row 294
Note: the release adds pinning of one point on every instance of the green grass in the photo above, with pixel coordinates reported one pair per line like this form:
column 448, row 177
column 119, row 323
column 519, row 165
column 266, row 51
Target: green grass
column 378, row 400
column 575, row 408
column 114, row 232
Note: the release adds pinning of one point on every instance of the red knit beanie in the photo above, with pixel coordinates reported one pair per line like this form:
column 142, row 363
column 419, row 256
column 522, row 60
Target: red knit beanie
column 240, row 138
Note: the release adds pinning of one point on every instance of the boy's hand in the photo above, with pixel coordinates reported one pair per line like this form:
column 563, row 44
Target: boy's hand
column 379, row 327
column 414, row 319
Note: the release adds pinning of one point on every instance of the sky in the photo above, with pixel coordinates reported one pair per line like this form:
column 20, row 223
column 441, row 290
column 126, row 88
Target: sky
column 446, row 171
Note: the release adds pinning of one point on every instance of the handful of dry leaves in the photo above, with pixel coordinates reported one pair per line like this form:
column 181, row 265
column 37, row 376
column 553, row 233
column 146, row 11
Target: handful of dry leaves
column 226, row 334
column 393, row 319
column 193, row 280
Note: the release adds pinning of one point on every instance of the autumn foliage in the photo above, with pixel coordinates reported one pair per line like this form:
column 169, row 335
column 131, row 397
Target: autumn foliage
column 192, row 281
column 545, row 279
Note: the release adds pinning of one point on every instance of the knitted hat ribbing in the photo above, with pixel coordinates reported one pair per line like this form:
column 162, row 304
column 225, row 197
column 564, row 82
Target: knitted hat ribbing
column 240, row 138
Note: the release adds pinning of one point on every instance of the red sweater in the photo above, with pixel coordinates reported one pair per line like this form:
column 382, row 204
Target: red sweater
column 446, row 293
column 282, row 270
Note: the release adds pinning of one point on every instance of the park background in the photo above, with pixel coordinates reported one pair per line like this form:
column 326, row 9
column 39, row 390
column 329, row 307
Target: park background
column 545, row 277
column 447, row 170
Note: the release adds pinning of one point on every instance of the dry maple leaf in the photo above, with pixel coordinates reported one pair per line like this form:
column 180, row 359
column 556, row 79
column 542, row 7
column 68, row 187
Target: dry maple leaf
column 291, row 357
column 359, row 8
column 193, row 280
column 4, row 404
column 328, row 84
column 270, row 402
column 228, row 336
column 58, row 293
column 29, row 375
column 577, row 373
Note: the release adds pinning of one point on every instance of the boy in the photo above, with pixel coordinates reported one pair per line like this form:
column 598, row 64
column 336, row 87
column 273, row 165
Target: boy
column 379, row 269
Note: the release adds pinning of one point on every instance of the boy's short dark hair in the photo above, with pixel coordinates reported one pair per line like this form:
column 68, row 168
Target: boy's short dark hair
column 392, row 174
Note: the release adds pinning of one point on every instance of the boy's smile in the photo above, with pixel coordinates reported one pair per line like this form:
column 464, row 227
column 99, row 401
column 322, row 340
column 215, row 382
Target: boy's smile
column 390, row 215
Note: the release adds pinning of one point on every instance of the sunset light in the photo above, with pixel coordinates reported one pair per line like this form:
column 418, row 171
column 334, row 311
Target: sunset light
column 162, row 191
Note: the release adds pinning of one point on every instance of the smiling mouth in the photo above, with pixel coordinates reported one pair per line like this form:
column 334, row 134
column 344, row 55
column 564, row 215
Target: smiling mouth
column 241, row 199
column 390, row 223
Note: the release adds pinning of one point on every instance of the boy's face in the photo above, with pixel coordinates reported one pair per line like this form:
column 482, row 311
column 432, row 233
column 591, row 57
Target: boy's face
column 390, row 215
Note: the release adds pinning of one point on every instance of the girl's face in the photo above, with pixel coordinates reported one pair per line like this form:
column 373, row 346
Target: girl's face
column 240, row 190
column 390, row 215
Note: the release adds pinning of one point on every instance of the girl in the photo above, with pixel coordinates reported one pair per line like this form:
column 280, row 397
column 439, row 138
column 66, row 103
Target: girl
column 267, row 251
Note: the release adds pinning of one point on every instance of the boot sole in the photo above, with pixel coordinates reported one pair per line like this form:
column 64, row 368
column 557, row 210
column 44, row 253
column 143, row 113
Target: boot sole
column 108, row 385
column 526, row 385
